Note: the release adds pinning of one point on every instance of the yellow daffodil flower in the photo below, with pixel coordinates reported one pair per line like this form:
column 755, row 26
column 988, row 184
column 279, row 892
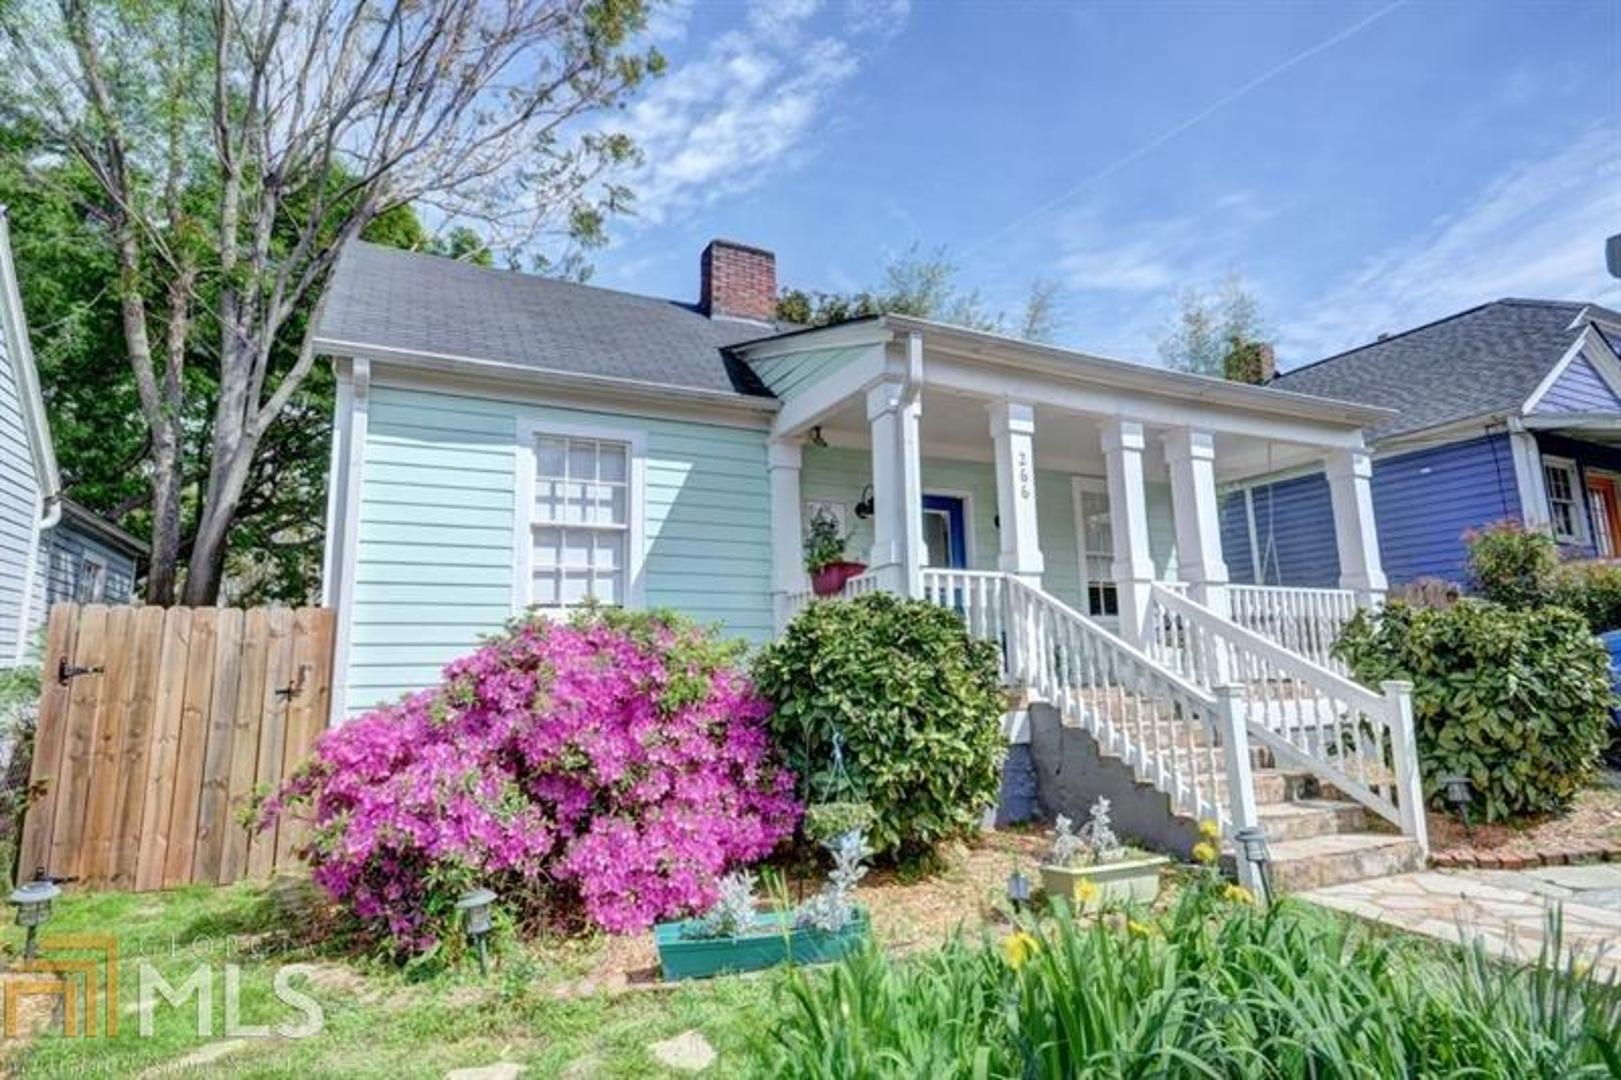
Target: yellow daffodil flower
column 1086, row 891
column 1210, row 830
column 1018, row 947
column 1237, row 894
column 1137, row 929
column 1204, row 851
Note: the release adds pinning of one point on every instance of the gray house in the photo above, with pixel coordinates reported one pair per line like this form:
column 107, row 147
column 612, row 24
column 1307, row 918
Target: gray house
column 51, row 549
column 89, row 560
column 30, row 490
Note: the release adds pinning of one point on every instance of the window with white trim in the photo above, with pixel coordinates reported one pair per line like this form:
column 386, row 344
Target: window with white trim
column 92, row 586
column 1564, row 499
column 581, row 521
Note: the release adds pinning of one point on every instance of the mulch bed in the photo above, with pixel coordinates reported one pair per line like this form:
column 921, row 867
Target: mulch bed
column 1591, row 832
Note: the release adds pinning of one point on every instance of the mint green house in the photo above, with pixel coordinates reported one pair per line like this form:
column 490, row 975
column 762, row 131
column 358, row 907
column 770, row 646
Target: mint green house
column 506, row 442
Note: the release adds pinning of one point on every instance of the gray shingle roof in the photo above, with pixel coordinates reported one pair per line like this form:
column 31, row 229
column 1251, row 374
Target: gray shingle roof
column 1485, row 360
column 390, row 299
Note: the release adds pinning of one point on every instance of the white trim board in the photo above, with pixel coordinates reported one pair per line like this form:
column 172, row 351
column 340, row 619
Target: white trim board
column 1591, row 345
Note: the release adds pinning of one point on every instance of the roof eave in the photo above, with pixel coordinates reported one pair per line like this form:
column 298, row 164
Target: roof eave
column 572, row 380
column 1070, row 363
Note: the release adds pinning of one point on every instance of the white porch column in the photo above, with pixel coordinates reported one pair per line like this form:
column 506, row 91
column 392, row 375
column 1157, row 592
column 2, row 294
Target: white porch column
column 787, row 531
column 1350, row 486
column 1133, row 567
column 1191, row 456
column 1013, row 430
column 897, row 489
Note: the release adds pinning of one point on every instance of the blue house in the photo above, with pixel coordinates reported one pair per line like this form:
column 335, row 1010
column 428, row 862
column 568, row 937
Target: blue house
column 1510, row 410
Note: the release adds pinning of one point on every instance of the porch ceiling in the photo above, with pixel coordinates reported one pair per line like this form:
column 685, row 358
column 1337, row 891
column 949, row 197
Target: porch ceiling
column 957, row 426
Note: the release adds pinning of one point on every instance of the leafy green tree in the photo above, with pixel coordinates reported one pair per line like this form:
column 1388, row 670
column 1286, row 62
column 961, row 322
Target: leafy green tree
column 1220, row 334
column 924, row 285
column 218, row 157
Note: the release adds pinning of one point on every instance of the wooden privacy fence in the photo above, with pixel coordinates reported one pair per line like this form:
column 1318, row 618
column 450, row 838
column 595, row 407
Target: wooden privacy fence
column 156, row 728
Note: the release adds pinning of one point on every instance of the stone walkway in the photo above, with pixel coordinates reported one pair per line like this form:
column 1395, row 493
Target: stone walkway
column 1506, row 909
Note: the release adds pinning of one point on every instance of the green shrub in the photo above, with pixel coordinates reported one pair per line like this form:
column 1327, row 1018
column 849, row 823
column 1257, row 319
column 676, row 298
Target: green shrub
column 1593, row 590
column 888, row 701
column 1515, row 700
column 1198, row 992
column 1512, row 565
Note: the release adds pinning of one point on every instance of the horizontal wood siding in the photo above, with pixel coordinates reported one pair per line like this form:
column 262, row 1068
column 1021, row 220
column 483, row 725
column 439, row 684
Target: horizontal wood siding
column 63, row 563
column 1294, row 528
column 788, row 375
column 19, row 508
column 1427, row 500
column 1235, row 539
column 435, row 553
column 1579, row 388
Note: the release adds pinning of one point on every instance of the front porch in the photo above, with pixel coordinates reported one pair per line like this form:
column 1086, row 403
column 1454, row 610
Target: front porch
column 1066, row 507
column 948, row 450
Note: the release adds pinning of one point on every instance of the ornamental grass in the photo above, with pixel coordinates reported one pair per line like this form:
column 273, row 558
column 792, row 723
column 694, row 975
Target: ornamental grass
column 1210, row 988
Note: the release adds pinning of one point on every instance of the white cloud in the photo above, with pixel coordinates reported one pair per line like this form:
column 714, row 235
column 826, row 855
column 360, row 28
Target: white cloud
column 1536, row 230
column 725, row 118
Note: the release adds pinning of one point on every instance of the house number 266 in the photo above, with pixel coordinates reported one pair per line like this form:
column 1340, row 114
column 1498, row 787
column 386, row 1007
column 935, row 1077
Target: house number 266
column 1024, row 474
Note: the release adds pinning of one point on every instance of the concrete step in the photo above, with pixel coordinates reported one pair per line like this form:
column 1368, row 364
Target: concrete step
column 1317, row 861
column 1301, row 819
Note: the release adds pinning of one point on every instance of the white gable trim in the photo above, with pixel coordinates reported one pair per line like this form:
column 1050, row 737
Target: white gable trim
column 15, row 326
column 1589, row 344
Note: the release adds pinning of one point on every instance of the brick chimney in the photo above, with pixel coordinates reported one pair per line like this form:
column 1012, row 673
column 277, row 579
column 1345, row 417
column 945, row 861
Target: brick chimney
column 738, row 282
column 1269, row 363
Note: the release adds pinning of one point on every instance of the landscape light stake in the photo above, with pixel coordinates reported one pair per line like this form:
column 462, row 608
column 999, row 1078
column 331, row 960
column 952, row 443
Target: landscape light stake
column 1018, row 889
column 1459, row 793
column 1251, row 841
column 475, row 909
column 33, row 904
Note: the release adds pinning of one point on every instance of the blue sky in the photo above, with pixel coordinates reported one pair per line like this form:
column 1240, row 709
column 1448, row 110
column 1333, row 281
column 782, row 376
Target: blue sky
column 1364, row 166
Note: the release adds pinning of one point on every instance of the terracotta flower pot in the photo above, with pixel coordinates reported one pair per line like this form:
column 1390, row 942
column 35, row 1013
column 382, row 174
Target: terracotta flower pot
column 830, row 579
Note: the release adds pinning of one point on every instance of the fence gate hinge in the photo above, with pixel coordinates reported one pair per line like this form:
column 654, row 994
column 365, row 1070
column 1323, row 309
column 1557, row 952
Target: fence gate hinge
column 66, row 672
column 293, row 689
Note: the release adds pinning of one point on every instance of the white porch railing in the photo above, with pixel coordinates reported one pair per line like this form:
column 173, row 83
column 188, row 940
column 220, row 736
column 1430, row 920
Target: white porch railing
column 1187, row 742
column 1304, row 621
column 1309, row 716
column 795, row 602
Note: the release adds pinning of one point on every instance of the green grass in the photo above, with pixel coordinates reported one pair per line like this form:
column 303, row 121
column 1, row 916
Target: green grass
column 377, row 1021
column 1205, row 988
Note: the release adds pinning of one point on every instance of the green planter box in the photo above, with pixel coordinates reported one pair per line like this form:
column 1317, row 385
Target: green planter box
column 1132, row 881
column 685, row 957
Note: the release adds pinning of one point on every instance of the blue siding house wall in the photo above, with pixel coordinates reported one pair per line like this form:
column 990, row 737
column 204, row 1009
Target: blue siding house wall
column 1294, row 532
column 1579, row 388
column 1424, row 501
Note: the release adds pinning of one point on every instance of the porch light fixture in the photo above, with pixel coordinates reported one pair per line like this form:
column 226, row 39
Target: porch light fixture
column 1459, row 793
column 1251, row 843
column 475, row 908
column 864, row 507
column 33, row 904
column 817, row 439
column 1018, row 889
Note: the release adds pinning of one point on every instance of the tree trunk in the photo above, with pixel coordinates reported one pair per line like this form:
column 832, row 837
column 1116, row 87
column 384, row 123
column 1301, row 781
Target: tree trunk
column 160, row 576
column 206, row 569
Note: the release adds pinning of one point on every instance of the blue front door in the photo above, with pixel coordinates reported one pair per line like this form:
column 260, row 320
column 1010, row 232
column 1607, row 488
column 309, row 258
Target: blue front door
column 945, row 535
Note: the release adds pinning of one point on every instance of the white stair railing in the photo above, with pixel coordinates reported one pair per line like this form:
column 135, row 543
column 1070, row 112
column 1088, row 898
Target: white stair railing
column 1304, row 621
column 1309, row 717
column 1178, row 737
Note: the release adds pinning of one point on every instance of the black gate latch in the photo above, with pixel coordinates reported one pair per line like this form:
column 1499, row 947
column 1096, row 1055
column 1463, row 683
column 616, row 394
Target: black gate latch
column 66, row 672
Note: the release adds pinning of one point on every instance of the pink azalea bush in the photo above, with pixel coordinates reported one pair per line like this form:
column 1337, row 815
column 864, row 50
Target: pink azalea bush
column 616, row 767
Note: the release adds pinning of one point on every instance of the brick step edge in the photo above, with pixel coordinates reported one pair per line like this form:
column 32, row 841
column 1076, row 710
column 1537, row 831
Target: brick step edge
column 1554, row 855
